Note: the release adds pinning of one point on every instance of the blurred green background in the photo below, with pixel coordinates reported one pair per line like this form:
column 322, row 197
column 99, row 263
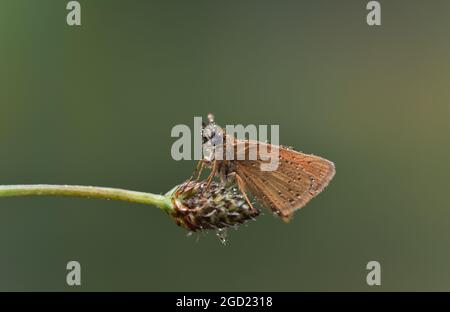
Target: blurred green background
column 94, row 105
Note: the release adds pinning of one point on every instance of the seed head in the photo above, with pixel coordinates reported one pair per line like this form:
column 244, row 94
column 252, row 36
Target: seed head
column 197, row 207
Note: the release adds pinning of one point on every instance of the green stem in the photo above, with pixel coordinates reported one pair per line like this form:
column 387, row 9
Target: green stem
column 160, row 201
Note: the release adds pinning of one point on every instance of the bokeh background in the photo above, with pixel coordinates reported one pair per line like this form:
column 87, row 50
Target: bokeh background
column 94, row 105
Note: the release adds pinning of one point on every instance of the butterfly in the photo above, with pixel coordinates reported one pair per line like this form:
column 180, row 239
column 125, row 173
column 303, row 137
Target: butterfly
column 297, row 178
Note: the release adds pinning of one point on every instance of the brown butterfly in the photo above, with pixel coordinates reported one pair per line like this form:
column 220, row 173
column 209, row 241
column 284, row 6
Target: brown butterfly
column 297, row 179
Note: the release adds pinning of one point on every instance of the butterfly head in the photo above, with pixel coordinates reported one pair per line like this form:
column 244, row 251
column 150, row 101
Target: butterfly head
column 212, row 137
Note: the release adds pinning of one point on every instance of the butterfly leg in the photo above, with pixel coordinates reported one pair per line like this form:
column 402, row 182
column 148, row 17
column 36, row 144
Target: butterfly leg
column 197, row 171
column 241, row 186
column 212, row 174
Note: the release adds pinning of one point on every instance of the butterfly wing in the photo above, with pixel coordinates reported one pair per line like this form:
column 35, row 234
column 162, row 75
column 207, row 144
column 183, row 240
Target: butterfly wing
column 298, row 178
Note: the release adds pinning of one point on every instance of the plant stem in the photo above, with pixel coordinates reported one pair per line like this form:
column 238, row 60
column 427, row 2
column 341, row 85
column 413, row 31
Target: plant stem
column 160, row 201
